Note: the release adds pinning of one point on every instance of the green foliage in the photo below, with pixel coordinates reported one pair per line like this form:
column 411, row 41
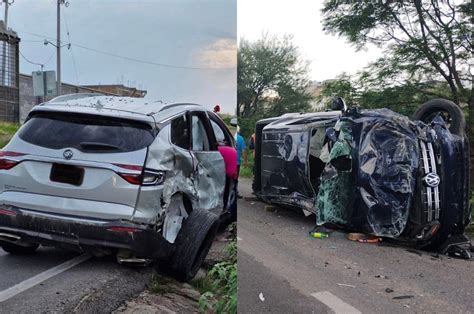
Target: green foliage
column 222, row 281
column 7, row 130
column 427, row 50
column 246, row 171
column 342, row 86
column 271, row 78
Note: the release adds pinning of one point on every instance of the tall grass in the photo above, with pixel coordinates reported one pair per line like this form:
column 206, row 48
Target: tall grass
column 7, row 130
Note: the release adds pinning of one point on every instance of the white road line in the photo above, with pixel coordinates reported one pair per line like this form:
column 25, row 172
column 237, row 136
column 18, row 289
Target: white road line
column 334, row 303
column 33, row 281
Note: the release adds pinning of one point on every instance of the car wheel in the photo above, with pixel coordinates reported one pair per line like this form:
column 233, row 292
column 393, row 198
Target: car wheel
column 193, row 243
column 449, row 111
column 19, row 249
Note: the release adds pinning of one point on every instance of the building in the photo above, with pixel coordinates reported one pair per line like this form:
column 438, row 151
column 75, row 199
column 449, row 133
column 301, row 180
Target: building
column 118, row 89
column 28, row 101
column 9, row 69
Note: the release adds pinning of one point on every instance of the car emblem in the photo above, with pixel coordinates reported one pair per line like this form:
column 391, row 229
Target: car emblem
column 431, row 179
column 68, row 154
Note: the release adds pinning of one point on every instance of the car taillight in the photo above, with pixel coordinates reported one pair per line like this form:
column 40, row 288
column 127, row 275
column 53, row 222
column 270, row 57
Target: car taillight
column 153, row 177
column 7, row 212
column 124, row 229
column 135, row 179
column 147, row 177
column 5, row 162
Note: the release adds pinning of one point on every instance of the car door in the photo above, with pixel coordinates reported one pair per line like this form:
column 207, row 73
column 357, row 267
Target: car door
column 209, row 175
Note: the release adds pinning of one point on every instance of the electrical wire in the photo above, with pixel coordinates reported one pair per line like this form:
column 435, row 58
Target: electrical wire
column 70, row 49
column 138, row 60
column 32, row 62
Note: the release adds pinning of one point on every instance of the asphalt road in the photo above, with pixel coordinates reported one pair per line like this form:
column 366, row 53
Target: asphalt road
column 298, row 274
column 93, row 285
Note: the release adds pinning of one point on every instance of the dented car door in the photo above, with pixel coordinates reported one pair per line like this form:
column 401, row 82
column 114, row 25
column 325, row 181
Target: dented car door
column 209, row 168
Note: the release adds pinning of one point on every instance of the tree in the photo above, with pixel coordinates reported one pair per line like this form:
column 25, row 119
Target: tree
column 343, row 86
column 422, row 40
column 271, row 78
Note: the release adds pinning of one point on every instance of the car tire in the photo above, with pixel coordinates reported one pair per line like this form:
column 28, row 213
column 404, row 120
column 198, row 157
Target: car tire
column 19, row 249
column 193, row 244
column 449, row 109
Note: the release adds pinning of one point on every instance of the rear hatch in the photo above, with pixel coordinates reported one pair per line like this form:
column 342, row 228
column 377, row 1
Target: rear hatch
column 75, row 165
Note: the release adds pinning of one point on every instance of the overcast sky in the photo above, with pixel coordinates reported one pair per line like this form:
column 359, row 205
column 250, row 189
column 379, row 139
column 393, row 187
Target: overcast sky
column 189, row 33
column 329, row 55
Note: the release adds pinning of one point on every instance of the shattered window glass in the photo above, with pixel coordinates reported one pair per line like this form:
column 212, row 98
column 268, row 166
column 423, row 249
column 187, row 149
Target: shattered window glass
column 180, row 132
column 336, row 189
column 200, row 140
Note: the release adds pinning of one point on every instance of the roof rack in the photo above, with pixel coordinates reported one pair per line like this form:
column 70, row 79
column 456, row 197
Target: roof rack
column 177, row 105
column 74, row 96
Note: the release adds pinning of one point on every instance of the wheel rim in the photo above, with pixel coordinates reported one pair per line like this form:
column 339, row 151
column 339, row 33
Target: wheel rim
column 443, row 114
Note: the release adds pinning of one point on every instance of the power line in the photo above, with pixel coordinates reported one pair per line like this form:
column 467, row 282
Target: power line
column 72, row 53
column 32, row 62
column 139, row 60
column 37, row 63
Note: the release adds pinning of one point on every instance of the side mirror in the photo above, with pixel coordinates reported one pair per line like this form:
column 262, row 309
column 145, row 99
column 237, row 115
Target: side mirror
column 338, row 104
column 233, row 122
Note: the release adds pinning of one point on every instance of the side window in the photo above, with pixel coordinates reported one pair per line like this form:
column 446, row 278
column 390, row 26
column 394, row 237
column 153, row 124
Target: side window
column 199, row 135
column 219, row 133
column 180, row 132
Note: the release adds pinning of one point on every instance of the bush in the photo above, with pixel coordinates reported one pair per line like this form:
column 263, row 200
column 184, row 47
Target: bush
column 222, row 298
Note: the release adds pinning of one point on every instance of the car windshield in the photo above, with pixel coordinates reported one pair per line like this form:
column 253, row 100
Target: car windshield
column 86, row 133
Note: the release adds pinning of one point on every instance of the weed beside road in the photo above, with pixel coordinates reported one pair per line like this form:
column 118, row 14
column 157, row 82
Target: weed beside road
column 7, row 130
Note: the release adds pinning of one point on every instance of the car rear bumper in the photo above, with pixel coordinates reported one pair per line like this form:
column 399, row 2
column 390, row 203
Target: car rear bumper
column 81, row 234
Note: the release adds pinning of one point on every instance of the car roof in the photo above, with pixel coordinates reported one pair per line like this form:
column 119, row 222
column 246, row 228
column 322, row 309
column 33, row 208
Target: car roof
column 121, row 107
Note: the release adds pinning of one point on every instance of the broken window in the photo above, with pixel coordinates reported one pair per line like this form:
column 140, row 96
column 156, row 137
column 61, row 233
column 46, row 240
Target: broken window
column 180, row 132
column 199, row 135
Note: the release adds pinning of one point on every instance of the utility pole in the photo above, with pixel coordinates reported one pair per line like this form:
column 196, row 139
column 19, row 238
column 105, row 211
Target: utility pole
column 58, row 49
column 5, row 20
column 4, row 56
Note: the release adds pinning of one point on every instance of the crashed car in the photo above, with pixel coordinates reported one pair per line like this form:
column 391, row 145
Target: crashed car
column 116, row 175
column 373, row 171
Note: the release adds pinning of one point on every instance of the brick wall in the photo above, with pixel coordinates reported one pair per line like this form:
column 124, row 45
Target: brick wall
column 8, row 104
column 28, row 101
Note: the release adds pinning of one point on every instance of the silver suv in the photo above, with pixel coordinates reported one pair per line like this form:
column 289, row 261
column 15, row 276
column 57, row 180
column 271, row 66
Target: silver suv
column 140, row 179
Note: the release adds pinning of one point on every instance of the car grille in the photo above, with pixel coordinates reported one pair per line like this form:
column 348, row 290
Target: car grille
column 430, row 194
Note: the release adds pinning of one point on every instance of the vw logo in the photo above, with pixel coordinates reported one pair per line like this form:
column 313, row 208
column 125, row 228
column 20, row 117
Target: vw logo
column 431, row 179
column 68, row 154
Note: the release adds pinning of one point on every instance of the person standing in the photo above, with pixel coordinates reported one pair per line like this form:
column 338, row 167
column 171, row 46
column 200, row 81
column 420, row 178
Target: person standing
column 241, row 151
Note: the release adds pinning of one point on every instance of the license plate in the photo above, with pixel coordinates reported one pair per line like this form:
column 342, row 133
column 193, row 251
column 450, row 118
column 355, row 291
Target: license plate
column 67, row 174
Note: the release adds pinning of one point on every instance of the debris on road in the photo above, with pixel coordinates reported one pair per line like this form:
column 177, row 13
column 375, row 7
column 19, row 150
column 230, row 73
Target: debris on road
column 363, row 238
column 389, row 290
column 261, row 297
column 345, row 285
column 403, row 297
column 318, row 235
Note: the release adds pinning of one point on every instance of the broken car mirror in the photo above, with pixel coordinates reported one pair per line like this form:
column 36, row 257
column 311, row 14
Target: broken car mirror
column 338, row 104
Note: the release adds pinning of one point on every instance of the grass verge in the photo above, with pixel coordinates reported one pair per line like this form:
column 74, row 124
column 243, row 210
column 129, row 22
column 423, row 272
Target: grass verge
column 7, row 130
column 219, row 287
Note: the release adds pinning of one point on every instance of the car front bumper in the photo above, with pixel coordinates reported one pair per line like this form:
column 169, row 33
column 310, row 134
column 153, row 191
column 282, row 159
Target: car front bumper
column 82, row 234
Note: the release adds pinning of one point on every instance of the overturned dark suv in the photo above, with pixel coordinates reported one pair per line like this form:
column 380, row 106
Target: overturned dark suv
column 374, row 171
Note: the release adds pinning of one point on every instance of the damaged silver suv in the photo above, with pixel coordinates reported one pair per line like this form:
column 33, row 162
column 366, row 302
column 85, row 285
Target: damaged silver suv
column 374, row 171
column 141, row 179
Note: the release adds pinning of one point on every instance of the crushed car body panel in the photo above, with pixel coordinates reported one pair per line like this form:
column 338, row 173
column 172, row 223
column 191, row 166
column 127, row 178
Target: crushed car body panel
column 364, row 170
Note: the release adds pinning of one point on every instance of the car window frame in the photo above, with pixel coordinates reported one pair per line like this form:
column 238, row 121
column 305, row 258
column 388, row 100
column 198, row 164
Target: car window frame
column 203, row 115
column 188, row 124
column 216, row 119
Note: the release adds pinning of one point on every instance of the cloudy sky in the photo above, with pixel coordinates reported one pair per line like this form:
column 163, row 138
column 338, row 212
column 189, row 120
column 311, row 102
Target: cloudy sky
column 328, row 55
column 186, row 33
